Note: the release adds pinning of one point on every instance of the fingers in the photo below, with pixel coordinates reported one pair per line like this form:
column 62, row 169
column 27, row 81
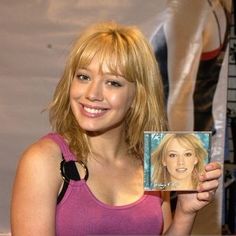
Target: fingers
column 213, row 166
column 206, row 196
column 212, row 171
column 211, row 185
column 209, row 181
column 210, row 175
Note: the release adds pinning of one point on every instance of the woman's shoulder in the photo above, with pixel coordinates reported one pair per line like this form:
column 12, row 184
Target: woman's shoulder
column 44, row 148
column 43, row 157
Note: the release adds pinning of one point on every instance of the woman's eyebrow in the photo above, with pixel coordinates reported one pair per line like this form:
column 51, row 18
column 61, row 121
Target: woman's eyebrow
column 178, row 151
column 83, row 68
column 113, row 74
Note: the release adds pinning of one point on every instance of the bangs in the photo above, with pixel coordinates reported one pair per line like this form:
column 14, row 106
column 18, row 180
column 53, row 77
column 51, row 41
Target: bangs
column 110, row 50
column 186, row 142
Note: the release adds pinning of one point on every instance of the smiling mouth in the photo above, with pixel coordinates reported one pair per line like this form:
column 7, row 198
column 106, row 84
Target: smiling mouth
column 94, row 110
column 181, row 170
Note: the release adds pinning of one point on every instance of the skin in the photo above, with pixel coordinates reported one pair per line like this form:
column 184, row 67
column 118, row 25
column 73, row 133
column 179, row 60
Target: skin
column 100, row 100
column 180, row 161
column 38, row 179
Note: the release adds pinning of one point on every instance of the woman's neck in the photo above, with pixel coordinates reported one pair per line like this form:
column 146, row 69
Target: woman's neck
column 109, row 145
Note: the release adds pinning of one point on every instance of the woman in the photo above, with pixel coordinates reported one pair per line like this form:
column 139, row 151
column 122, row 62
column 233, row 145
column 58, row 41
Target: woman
column 109, row 94
column 177, row 161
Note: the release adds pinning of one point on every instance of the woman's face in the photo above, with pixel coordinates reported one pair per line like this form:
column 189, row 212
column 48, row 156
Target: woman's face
column 179, row 160
column 99, row 99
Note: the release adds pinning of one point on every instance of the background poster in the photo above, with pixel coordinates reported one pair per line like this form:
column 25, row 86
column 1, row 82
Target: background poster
column 35, row 39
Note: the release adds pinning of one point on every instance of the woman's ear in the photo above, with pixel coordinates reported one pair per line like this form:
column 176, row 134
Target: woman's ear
column 196, row 160
column 164, row 162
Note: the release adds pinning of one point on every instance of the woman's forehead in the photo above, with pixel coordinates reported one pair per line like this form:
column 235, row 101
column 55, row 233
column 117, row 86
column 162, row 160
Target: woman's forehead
column 105, row 67
column 182, row 142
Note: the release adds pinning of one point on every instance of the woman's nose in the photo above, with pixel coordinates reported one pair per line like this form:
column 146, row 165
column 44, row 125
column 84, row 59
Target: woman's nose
column 180, row 160
column 95, row 91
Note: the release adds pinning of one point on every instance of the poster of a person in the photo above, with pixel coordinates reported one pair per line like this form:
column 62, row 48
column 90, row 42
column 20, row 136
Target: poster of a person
column 173, row 161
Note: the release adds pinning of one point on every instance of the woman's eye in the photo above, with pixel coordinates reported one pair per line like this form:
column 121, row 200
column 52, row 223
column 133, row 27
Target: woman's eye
column 114, row 83
column 172, row 155
column 82, row 77
column 188, row 154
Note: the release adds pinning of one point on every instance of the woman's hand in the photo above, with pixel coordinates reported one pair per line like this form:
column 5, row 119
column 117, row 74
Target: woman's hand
column 190, row 203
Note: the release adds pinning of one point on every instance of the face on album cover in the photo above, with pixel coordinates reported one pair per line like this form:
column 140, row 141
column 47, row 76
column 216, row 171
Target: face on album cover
column 174, row 160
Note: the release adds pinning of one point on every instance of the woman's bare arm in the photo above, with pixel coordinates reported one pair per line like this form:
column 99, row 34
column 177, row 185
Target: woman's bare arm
column 35, row 190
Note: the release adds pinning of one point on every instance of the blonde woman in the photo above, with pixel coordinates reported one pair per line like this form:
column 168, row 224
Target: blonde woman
column 177, row 161
column 86, row 177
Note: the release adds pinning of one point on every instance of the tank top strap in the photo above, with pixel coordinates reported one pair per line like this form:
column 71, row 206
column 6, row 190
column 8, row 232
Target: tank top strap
column 60, row 141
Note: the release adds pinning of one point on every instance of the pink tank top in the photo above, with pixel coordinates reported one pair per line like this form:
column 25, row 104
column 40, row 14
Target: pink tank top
column 81, row 213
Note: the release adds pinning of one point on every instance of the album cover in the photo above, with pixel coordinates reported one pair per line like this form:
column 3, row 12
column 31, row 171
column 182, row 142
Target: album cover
column 173, row 160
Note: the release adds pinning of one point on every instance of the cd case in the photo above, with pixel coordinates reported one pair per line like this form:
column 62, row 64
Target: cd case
column 174, row 160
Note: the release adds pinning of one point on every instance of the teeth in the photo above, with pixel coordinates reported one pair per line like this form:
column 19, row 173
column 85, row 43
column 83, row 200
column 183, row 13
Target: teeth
column 93, row 110
column 181, row 169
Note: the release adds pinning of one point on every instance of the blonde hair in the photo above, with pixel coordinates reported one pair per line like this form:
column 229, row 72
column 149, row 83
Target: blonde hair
column 123, row 49
column 160, row 173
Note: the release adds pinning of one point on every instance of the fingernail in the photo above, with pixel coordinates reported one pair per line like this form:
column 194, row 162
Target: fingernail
column 202, row 177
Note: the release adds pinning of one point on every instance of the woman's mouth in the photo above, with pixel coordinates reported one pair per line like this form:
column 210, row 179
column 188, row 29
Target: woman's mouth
column 93, row 112
column 181, row 170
